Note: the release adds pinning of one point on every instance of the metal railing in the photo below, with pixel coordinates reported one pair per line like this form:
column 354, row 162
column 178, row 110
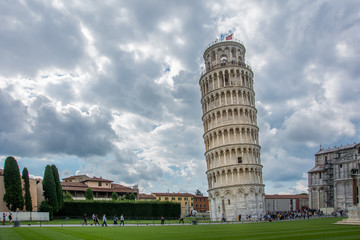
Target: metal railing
column 219, row 41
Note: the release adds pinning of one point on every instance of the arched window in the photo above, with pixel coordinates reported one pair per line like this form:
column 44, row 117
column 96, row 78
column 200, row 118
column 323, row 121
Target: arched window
column 223, row 59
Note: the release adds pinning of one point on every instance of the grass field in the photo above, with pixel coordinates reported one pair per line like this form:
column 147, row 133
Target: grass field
column 301, row 229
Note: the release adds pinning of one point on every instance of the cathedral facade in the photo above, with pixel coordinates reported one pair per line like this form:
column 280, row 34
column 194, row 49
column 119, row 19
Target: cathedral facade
column 330, row 181
column 231, row 135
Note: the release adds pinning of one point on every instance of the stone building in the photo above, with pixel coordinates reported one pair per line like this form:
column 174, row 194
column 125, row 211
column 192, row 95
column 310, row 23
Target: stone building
column 186, row 200
column 201, row 204
column 35, row 192
column 102, row 188
column 231, row 135
column 146, row 197
column 330, row 182
column 280, row 203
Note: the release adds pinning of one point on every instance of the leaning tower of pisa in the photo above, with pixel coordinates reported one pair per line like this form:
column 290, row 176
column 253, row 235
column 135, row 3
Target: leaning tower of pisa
column 231, row 135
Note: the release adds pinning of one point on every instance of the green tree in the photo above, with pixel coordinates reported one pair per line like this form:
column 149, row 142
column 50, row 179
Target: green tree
column 28, row 203
column 67, row 196
column 12, row 183
column 89, row 195
column 132, row 196
column 50, row 188
column 114, row 196
column 127, row 196
column 198, row 193
column 59, row 193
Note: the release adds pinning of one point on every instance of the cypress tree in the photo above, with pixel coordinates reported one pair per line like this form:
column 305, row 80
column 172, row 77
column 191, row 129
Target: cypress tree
column 50, row 188
column 59, row 193
column 12, row 183
column 28, row 203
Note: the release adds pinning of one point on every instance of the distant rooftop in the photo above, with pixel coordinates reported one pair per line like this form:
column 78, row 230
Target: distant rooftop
column 96, row 179
column 174, row 194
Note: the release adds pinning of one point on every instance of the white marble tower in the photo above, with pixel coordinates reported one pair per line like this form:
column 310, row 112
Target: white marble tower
column 231, row 135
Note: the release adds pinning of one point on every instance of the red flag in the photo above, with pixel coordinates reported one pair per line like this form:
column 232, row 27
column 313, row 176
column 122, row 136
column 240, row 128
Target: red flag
column 229, row 37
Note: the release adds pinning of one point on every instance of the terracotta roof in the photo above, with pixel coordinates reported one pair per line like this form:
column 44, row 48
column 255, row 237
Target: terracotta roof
column 95, row 179
column 112, row 190
column 197, row 196
column 74, row 188
column 73, row 184
column 118, row 186
column 286, row 196
column 174, row 194
column 146, row 196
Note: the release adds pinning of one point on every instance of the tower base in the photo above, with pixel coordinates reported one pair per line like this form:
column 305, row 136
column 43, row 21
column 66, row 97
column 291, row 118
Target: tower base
column 236, row 203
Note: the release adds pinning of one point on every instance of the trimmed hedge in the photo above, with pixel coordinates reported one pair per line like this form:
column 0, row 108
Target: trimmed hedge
column 135, row 209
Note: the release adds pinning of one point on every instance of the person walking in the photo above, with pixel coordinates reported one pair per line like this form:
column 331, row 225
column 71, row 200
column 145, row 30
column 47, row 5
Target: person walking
column 85, row 220
column 10, row 218
column 223, row 218
column 4, row 218
column 97, row 220
column 122, row 220
column 93, row 218
column 104, row 221
column 181, row 219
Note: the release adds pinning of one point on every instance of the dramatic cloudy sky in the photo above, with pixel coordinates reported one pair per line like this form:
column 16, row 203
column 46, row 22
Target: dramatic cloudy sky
column 110, row 88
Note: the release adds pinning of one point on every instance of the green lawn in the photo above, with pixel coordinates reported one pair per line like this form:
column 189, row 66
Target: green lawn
column 301, row 229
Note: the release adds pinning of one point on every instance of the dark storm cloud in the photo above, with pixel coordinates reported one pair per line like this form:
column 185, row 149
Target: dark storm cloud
column 72, row 132
column 35, row 36
column 52, row 132
column 14, row 132
column 129, row 84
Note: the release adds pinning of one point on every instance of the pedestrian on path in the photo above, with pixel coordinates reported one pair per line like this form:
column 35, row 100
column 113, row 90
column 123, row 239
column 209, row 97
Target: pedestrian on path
column 104, row 221
column 122, row 220
column 181, row 219
column 10, row 218
column 85, row 220
column 4, row 218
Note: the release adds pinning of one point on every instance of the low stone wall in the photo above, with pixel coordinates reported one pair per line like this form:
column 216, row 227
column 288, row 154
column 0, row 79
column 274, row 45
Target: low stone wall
column 26, row 216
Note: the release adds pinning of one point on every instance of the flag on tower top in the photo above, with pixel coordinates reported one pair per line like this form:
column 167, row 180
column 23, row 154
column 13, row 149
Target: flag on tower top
column 229, row 37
